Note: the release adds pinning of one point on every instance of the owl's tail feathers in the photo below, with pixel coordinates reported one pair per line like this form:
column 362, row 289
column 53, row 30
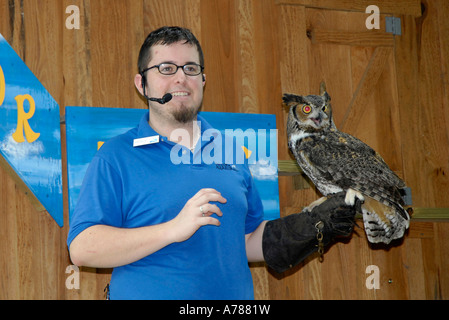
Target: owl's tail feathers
column 384, row 223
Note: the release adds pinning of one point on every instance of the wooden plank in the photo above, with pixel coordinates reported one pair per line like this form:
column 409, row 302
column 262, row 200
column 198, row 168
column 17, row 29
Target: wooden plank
column 388, row 120
column 444, row 48
column 259, row 273
column 258, row 88
column 354, row 111
column 9, row 277
column 407, row 7
column 422, row 109
column 431, row 257
column 77, row 77
column 21, row 185
column 413, row 262
column 40, row 252
column 7, row 21
column 362, row 38
column 294, row 56
column 114, row 53
column 258, row 85
column 330, row 63
column 268, row 76
column 289, row 167
column 50, row 248
column 420, row 229
column 13, row 26
column 408, row 93
column 430, row 214
column 247, row 56
column 219, row 42
column 184, row 13
column 294, row 68
column 441, row 259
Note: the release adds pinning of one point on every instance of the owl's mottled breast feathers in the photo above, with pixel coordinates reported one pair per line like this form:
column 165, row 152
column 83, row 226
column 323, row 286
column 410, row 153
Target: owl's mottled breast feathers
column 347, row 161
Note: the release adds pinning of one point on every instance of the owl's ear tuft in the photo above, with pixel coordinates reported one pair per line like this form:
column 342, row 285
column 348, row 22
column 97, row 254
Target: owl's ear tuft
column 292, row 99
column 326, row 96
column 323, row 92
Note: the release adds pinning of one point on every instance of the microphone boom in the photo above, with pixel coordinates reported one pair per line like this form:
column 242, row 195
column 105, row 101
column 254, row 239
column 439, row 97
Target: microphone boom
column 166, row 98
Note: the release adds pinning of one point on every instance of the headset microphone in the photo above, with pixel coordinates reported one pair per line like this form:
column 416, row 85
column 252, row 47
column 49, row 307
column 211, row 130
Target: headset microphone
column 166, row 98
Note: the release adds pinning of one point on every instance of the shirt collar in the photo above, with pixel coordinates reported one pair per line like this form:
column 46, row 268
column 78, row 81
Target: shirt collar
column 144, row 128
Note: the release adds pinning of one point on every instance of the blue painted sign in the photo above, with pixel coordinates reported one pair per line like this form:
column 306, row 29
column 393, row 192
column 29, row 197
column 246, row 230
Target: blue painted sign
column 30, row 131
column 88, row 127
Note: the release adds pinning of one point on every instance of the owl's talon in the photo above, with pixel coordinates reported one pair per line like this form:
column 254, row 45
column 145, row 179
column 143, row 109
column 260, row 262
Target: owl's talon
column 351, row 195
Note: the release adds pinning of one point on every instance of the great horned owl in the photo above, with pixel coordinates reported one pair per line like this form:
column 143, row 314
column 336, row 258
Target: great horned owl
column 336, row 161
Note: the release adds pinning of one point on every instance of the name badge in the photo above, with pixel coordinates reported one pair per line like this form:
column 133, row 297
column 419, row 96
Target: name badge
column 145, row 141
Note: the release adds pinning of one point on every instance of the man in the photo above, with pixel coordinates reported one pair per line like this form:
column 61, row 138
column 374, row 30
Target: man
column 182, row 231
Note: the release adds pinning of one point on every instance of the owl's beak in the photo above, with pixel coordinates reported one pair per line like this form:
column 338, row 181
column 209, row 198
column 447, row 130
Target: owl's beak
column 317, row 120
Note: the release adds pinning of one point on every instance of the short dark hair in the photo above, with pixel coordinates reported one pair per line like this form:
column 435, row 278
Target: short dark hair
column 167, row 36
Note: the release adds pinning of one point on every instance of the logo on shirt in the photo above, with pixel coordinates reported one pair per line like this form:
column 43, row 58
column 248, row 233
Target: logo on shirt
column 226, row 167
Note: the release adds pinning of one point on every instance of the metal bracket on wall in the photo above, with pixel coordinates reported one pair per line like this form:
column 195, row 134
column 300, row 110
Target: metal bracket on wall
column 393, row 25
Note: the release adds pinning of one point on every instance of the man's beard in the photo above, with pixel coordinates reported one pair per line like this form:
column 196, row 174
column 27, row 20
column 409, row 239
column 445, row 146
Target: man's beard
column 186, row 115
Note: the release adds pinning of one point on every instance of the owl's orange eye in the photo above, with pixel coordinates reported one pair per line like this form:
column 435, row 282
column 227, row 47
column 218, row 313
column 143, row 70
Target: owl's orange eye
column 306, row 109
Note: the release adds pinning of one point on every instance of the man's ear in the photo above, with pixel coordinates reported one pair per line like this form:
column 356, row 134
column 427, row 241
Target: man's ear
column 138, row 83
column 204, row 79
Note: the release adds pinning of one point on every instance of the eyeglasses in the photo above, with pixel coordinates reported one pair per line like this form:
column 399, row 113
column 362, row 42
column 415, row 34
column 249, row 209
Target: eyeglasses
column 190, row 69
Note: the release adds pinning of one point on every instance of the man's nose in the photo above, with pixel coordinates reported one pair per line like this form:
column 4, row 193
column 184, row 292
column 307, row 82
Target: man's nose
column 180, row 76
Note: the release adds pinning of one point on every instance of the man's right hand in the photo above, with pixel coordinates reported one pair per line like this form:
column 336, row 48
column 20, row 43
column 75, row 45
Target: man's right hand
column 197, row 212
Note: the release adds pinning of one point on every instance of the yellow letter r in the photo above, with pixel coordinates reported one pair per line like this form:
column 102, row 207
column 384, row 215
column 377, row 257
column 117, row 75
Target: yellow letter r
column 22, row 120
column 2, row 86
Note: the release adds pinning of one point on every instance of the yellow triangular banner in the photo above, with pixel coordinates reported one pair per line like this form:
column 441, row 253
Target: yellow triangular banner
column 247, row 152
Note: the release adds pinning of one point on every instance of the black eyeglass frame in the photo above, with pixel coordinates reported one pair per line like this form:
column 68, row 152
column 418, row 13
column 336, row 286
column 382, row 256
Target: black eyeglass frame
column 177, row 67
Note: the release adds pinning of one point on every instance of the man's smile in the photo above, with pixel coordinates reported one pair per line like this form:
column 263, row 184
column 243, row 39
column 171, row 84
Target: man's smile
column 180, row 94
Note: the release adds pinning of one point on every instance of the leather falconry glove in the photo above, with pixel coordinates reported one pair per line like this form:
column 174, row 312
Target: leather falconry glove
column 288, row 241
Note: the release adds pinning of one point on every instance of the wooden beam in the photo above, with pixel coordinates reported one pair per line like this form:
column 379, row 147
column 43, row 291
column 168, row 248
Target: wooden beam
column 360, row 38
column 288, row 168
column 431, row 214
column 376, row 66
column 422, row 214
column 406, row 7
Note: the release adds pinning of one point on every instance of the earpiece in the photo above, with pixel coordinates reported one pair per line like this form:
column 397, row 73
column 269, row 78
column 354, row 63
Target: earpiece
column 143, row 86
column 143, row 83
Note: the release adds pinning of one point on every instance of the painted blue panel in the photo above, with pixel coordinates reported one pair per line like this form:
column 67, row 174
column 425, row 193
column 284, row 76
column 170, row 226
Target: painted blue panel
column 86, row 126
column 263, row 161
column 36, row 159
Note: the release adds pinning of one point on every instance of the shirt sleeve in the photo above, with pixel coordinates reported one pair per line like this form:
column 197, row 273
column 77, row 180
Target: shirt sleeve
column 254, row 216
column 99, row 202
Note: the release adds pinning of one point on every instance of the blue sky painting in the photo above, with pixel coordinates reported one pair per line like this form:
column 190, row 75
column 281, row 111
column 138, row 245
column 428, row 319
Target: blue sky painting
column 86, row 127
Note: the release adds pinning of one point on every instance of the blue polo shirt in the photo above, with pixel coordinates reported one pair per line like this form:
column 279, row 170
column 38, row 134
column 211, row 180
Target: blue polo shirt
column 129, row 187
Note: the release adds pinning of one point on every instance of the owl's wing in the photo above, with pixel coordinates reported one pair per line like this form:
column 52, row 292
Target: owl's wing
column 350, row 163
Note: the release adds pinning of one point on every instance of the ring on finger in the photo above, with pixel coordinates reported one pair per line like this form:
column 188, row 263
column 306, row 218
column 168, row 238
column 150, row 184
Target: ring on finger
column 201, row 209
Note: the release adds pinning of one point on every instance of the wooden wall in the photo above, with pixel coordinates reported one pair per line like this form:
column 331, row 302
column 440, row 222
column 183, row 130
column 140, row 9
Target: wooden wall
column 390, row 91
